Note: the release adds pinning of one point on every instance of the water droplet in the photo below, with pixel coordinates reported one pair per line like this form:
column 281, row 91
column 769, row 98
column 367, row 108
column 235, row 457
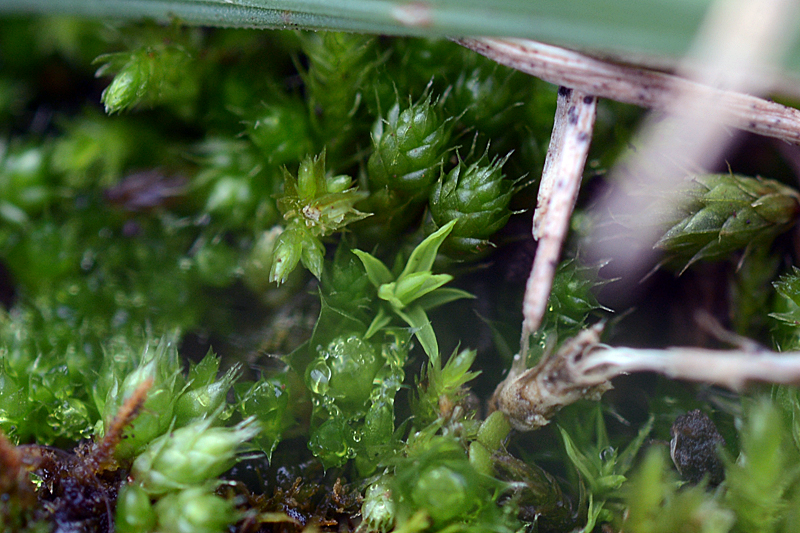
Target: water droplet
column 318, row 377
column 607, row 454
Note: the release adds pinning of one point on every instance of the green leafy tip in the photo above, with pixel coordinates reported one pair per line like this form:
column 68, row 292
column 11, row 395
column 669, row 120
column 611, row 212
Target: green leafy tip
column 477, row 198
column 414, row 291
column 314, row 205
column 724, row 212
column 409, row 148
column 148, row 76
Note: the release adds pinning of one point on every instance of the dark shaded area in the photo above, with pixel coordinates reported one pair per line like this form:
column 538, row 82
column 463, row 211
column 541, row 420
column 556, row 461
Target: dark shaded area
column 304, row 494
column 8, row 291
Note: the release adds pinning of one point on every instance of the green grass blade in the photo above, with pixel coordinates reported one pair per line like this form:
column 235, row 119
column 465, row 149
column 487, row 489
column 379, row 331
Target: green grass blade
column 648, row 25
column 655, row 27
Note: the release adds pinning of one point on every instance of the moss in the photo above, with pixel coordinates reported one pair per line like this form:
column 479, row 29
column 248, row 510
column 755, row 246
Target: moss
column 135, row 240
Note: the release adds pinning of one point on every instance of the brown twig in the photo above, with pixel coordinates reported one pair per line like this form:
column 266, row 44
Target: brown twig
column 101, row 455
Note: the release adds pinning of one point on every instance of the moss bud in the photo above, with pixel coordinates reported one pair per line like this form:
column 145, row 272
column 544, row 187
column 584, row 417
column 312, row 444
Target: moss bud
column 477, row 198
column 135, row 513
column 408, row 149
column 194, row 510
column 190, row 455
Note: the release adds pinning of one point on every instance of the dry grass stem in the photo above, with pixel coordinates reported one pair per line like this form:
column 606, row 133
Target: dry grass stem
column 558, row 191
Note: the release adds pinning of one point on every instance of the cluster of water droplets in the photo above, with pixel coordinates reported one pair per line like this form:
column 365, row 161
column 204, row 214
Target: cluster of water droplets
column 353, row 383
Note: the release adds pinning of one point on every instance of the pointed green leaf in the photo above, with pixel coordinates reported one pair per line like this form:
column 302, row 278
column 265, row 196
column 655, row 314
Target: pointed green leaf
column 788, row 286
column 610, row 482
column 441, row 296
column 286, row 255
column 631, row 450
column 422, row 257
column 381, row 320
column 456, row 372
column 377, row 272
column 409, row 289
column 415, row 317
column 595, row 508
column 458, row 365
column 313, row 255
column 311, row 176
column 387, row 292
column 786, row 318
column 587, row 470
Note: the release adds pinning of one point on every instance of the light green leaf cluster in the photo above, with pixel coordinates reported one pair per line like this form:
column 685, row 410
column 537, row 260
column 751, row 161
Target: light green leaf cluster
column 353, row 382
column 443, row 478
column 191, row 510
column 413, row 291
column 601, row 467
column 443, row 389
column 172, row 400
column 314, row 205
column 190, row 455
column 656, row 505
column 435, row 487
column 172, row 480
column 148, row 76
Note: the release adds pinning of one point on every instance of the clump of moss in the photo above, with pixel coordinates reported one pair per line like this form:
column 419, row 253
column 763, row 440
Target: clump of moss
column 168, row 207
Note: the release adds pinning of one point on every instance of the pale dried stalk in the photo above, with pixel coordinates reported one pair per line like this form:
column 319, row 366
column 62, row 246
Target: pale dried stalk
column 583, row 369
column 740, row 37
column 732, row 369
column 558, row 191
column 638, row 86
column 531, row 397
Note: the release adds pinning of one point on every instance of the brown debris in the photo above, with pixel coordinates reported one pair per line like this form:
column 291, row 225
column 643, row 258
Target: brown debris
column 76, row 491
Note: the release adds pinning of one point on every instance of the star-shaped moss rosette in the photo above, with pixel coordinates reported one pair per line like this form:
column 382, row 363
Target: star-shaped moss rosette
column 413, row 291
column 314, row 205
